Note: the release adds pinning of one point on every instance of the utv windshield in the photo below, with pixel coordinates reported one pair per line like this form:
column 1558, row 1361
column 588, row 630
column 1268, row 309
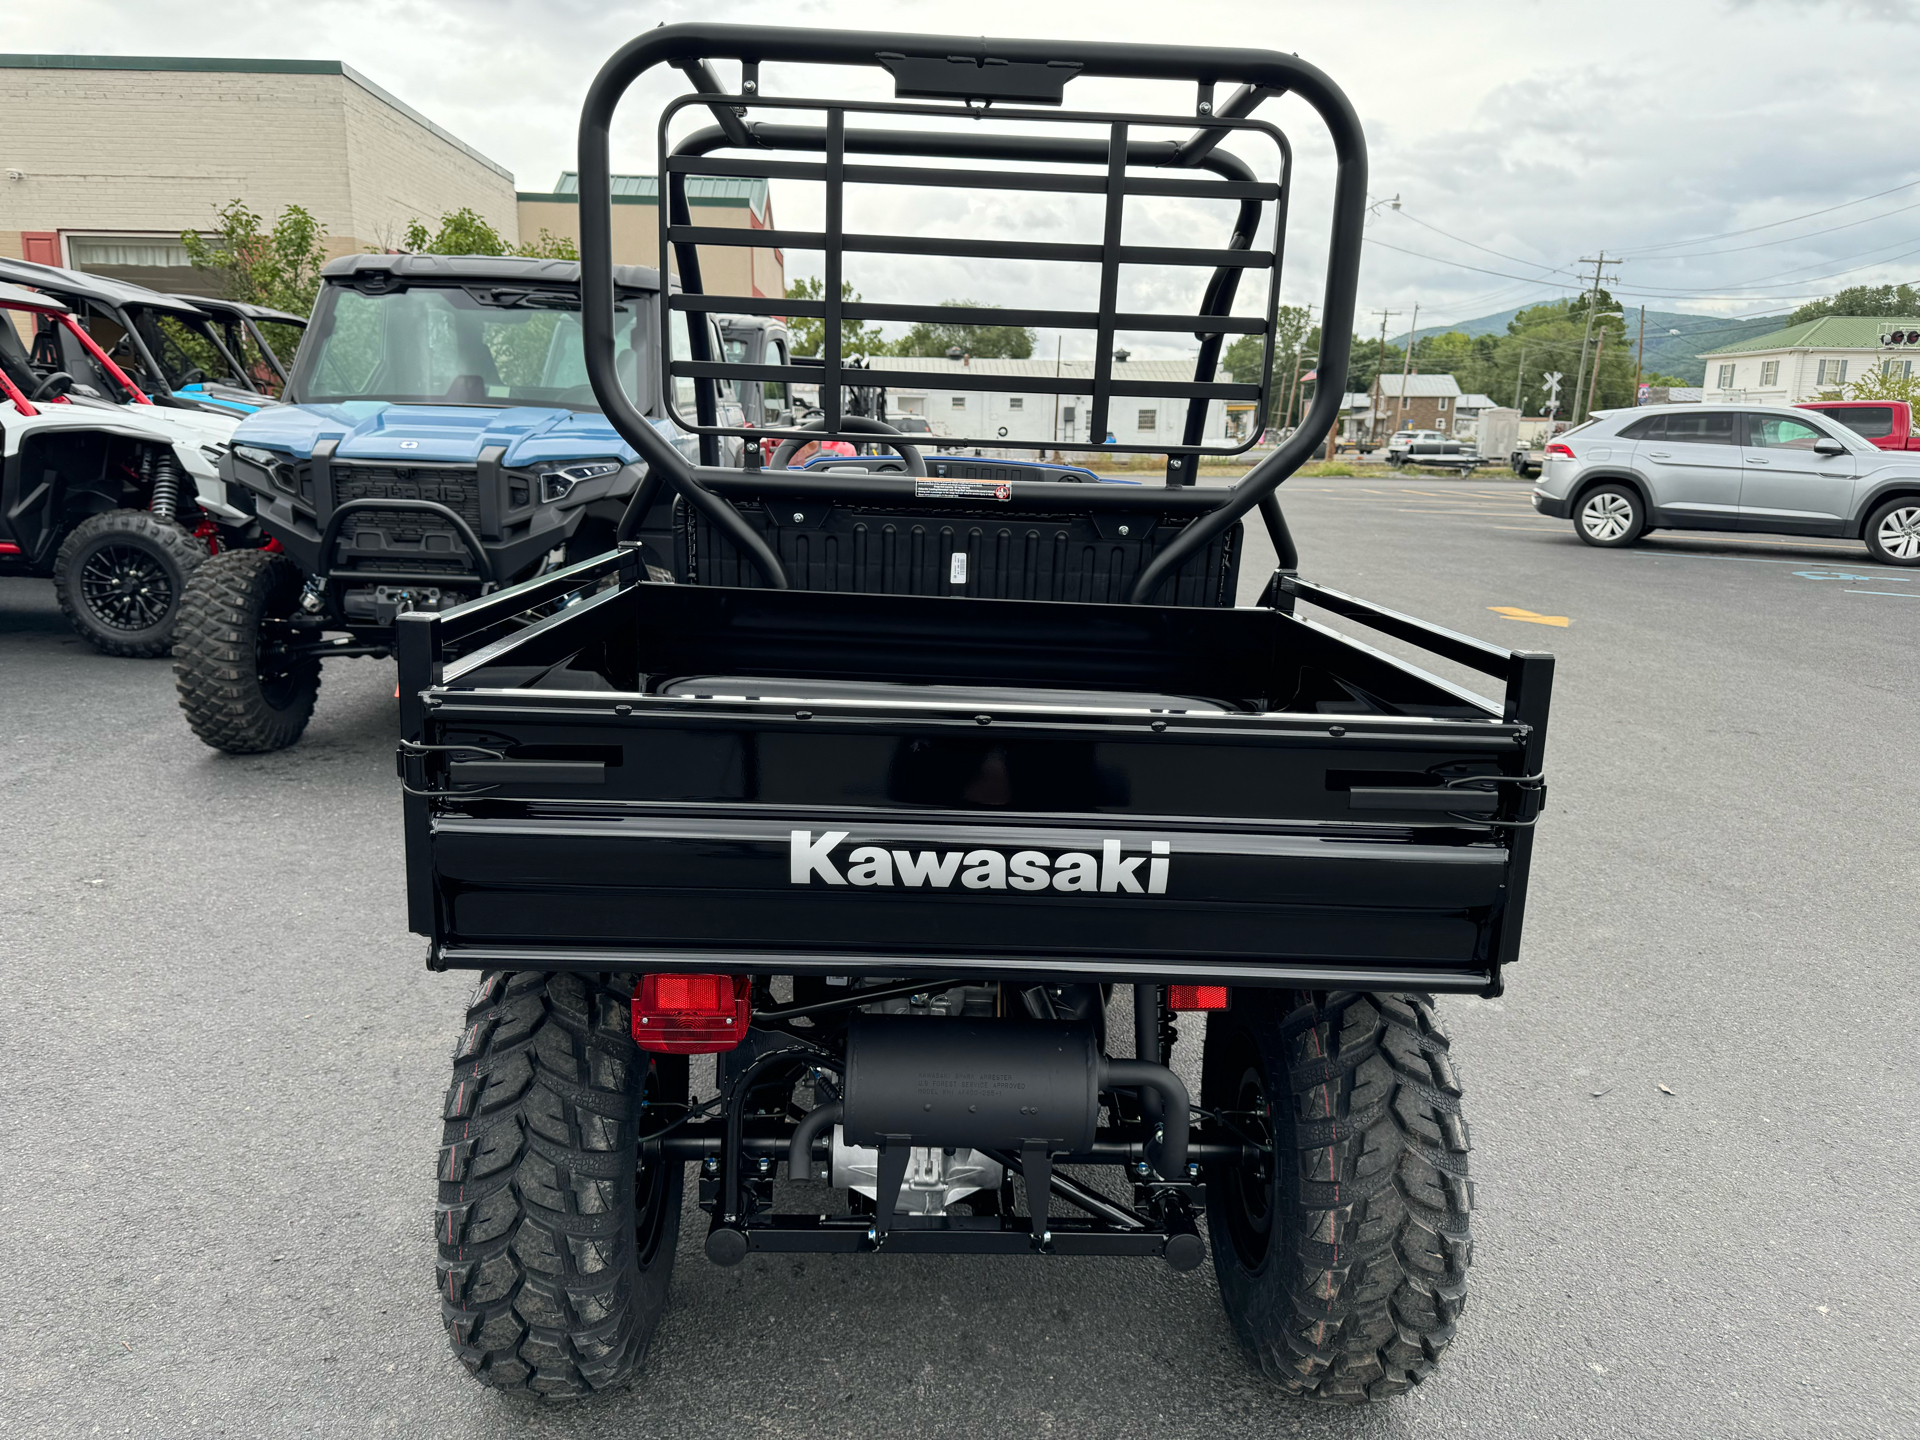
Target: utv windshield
column 458, row 345
column 187, row 350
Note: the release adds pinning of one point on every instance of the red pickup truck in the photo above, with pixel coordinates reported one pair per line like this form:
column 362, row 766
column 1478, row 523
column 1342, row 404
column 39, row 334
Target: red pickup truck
column 1888, row 424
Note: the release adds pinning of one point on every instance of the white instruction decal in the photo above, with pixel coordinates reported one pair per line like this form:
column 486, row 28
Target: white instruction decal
column 957, row 568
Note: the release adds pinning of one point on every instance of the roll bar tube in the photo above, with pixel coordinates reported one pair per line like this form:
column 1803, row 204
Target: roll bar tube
column 689, row 46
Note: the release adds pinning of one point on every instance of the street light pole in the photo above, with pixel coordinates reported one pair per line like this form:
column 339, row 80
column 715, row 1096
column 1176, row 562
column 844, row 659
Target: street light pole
column 1373, row 430
column 1640, row 353
column 1407, row 357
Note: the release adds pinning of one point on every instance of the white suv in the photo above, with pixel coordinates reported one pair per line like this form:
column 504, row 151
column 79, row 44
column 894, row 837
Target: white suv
column 1734, row 467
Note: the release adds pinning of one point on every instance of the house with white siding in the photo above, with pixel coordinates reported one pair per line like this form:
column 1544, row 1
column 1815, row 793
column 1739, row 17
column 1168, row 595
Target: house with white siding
column 1786, row 367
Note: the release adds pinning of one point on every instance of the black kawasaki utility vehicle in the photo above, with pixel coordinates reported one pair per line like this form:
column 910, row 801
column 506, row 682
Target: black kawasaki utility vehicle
column 906, row 780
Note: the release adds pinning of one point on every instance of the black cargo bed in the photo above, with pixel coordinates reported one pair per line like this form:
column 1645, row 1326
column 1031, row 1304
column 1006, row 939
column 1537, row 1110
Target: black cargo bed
column 690, row 777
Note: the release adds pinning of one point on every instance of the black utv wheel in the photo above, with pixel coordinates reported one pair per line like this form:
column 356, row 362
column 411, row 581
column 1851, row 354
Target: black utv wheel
column 556, row 1240
column 120, row 577
column 241, row 687
column 1343, row 1262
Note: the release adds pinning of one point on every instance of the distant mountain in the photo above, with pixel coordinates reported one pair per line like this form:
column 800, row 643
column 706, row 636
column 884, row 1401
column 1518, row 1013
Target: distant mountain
column 1676, row 354
column 1666, row 354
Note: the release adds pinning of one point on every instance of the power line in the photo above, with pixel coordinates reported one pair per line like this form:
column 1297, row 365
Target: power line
column 1657, row 292
column 1788, row 239
column 1552, row 269
column 1750, row 230
column 1725, row 292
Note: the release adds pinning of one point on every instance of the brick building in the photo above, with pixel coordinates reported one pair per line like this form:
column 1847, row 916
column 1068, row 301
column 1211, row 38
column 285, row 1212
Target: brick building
column 1414, row 402
column 105, row 159
column 711, row 201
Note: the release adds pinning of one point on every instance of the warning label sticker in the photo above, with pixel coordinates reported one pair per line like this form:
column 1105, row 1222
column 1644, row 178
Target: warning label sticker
column 962, row 489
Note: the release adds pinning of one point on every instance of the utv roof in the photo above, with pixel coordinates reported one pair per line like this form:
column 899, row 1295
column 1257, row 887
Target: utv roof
column 15, row 297
column 240, row 307
column 92, row 287
column 521, row 268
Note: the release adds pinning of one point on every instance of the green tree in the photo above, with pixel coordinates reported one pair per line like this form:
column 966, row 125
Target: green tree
column 988, row 342
column 1878, row 384
column 462, row 232
column 1242, row 359
column 807, row 332
column 1862, row 300
column 277, row 267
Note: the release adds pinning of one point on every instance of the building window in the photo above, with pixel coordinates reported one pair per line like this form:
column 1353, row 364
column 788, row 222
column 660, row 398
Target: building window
column 1148, row 420
column 960, row 402
column 1407, row 402
column 1832, row 372
column 1770, row 372
column 1067, row 415
column 1017, row 402
column 1442, row 403
column 1901, row 368
column 1726, row 378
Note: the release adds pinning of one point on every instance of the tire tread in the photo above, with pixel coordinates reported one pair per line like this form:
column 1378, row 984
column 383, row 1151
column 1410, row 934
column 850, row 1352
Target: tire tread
column 1366, row 1275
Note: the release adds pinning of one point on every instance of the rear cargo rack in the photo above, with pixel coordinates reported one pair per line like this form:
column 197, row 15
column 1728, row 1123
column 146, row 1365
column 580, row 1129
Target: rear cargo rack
column 954, row 109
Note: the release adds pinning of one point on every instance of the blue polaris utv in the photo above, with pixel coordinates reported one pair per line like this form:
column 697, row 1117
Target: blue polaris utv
column 440, row 440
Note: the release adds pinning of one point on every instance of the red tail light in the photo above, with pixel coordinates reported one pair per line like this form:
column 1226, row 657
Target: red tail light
column 690, row 1015
column 1197, row 998
column 1559, row 449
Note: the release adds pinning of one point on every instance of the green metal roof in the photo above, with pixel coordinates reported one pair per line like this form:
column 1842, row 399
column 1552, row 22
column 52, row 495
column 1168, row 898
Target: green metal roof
column 1830, row 332
column 645, row 190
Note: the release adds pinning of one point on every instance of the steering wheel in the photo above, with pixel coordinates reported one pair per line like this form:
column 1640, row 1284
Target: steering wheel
column 59, row 383
column 193, row 376
column 859, row 424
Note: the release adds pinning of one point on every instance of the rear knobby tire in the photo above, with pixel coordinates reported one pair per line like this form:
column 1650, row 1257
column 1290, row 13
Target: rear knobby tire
column 556, row 1244
column 241, row 691
column 1342, row 1265
column 119, row 577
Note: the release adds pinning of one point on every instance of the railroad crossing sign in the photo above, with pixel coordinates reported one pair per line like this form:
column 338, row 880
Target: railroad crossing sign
column 1553, row 379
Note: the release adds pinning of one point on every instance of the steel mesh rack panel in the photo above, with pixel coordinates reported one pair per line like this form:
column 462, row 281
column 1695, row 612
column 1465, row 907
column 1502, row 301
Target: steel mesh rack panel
column 1122, row 151
column 973, row 76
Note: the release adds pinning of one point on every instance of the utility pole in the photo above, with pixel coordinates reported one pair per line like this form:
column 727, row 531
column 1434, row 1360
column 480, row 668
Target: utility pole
column 1373, row 433
column 1408, row 355
column 1517, row 375
column 1294, row 370
column 1057, row 401
column 1640, row 350
column 1587, row 331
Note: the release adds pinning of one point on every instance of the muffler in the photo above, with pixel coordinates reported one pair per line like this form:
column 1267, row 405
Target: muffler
column 1027, row 1087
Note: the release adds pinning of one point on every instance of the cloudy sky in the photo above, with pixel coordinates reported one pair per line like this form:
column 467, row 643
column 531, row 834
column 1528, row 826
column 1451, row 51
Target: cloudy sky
column 1740, row 155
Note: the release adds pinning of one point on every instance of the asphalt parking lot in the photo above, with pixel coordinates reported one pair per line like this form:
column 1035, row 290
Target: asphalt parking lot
column 1693, row 1112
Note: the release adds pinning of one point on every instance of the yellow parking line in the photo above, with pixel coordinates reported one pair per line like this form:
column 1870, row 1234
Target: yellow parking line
column 1533, row 617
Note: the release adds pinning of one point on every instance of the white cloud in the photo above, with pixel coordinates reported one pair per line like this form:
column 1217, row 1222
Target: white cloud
column 1542, row 131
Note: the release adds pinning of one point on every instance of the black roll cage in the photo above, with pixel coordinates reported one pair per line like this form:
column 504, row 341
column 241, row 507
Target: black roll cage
column 983, row 71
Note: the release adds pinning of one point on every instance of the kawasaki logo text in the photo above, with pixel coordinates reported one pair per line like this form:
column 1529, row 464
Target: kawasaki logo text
column 809, row 860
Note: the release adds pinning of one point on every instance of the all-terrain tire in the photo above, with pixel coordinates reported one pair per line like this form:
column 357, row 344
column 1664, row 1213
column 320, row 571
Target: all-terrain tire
column 1343, row 1264
column 556, row 1242
column 120, row 577
column 238, row 695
